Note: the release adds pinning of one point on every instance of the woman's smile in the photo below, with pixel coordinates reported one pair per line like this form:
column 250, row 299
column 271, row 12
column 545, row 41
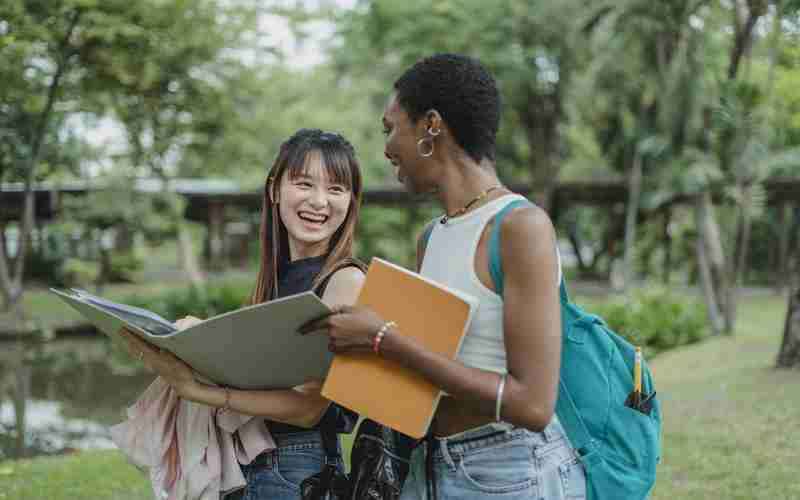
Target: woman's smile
column 314, row 220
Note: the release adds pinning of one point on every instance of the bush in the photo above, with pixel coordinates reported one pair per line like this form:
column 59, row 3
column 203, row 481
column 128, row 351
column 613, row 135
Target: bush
column 45, row 268
column 76, row 272
column 203, row 303
column 123, row 267
column 656, row 319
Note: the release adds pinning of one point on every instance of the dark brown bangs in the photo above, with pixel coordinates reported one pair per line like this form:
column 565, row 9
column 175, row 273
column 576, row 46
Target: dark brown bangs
column 338, row 168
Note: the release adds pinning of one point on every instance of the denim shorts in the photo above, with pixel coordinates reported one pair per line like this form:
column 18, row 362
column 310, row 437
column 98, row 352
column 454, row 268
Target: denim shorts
column 277, row 474
column 499, row 460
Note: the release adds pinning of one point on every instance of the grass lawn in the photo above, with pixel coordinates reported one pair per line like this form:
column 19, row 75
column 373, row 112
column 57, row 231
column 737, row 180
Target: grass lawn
column 730, row 430
column 732, row 422
column 95, row 475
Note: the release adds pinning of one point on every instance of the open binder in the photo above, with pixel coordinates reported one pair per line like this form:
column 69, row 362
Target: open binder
column 255, row 347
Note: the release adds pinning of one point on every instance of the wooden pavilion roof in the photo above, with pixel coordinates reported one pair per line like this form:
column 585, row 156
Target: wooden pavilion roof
column 202, row 194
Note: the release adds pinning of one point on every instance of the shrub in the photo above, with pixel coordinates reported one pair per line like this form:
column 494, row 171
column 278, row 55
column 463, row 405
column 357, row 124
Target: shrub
column 45, row 268
column 656, row 319
column 76, row 272
column 201, row 302
column 123, row 267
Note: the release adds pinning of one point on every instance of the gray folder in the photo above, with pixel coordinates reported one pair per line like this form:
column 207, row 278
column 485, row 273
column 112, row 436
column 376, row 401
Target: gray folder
column 255, row 347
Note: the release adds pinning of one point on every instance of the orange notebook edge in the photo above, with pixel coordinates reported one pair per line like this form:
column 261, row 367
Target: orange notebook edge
column 467, row 298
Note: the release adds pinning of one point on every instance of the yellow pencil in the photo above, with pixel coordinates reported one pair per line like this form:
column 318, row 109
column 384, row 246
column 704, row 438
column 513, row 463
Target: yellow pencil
column 637, row 371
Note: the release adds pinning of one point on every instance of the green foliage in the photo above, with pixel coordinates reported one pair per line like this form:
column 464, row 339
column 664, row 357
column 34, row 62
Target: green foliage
column 658, row 319
column 77, row 272
column 192, row 301
column 391, row 233
column 45, row 268
column 197, row 92
column 123, row 267
column 532, row 49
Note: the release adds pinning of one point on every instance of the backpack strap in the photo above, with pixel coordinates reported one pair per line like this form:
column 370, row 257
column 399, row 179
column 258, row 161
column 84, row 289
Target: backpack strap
column 424, row 238
column 566, row 409
column 495, row 261
column 330, row 441
column 495, row 256
column 426, row 233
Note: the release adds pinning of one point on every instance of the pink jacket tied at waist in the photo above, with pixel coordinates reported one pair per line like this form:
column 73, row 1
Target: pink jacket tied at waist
column 193, row 451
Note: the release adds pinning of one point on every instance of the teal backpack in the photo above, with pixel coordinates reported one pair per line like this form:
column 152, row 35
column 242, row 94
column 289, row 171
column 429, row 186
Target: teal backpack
column 618, row 446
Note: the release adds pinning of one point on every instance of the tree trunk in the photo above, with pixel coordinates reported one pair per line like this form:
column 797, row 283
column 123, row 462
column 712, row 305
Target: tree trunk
column 541, row 121
column 632, row 207
column 22, row 375
column 743, row 32
column 729, row 283
column 739, row 260
column 785, row 224
column 543, row 180
column 186, row 255
column 789, row 355
column 667, row 242
column 216, row 236
column 575, row 241
column 705, row 262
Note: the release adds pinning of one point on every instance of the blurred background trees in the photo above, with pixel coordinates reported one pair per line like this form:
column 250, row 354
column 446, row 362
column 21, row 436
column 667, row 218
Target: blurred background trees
column 135, row 137
column 692, row 104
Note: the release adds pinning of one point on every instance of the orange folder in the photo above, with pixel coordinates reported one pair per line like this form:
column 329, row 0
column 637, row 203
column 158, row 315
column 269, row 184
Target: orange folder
column 383, row 390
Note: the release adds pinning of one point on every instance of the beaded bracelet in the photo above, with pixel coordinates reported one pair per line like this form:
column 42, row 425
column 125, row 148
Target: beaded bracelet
column 376, row 342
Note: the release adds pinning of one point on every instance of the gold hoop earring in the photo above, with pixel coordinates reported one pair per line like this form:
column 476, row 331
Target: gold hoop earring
column 419, row 147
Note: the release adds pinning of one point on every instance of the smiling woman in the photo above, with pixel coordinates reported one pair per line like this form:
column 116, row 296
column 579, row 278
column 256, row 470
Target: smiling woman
column 495, row 432
column 313, row 205
column 311, row 202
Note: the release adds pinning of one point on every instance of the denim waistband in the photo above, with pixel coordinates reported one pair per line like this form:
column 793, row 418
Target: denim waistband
column 493, row 434
column 309, row 441
column 289, row 439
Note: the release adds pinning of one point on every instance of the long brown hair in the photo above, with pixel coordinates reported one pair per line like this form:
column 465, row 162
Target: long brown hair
column 341, row 166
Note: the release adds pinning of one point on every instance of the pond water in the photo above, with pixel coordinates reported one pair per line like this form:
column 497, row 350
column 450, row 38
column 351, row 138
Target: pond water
column 68, row 390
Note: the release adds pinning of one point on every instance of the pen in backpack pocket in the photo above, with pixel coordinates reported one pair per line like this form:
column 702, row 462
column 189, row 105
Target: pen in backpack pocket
column 637, row 373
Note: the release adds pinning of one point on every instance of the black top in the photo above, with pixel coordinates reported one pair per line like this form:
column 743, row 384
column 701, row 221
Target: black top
column 297, row 277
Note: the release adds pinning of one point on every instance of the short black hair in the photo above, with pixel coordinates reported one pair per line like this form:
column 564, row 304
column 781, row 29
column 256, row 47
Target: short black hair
column 463, row 91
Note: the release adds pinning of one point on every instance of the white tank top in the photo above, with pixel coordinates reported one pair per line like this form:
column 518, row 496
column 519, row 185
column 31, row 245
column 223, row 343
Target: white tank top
column 450, row 260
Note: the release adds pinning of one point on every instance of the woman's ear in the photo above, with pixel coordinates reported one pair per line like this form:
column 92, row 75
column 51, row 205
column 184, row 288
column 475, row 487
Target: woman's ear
column 433, row 122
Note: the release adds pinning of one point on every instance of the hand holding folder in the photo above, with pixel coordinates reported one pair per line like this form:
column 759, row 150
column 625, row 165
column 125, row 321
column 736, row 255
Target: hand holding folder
column 376, row 387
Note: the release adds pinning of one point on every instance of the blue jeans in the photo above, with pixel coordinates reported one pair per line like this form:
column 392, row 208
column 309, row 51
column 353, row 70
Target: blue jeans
column 500, row 460
column 277, row 474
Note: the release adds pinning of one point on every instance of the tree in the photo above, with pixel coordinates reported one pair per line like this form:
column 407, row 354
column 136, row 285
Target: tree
column 168, row 93
column 39, row 50
column 531, row 47
column 789, row 355
column 60, row 58
column 704, row 115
